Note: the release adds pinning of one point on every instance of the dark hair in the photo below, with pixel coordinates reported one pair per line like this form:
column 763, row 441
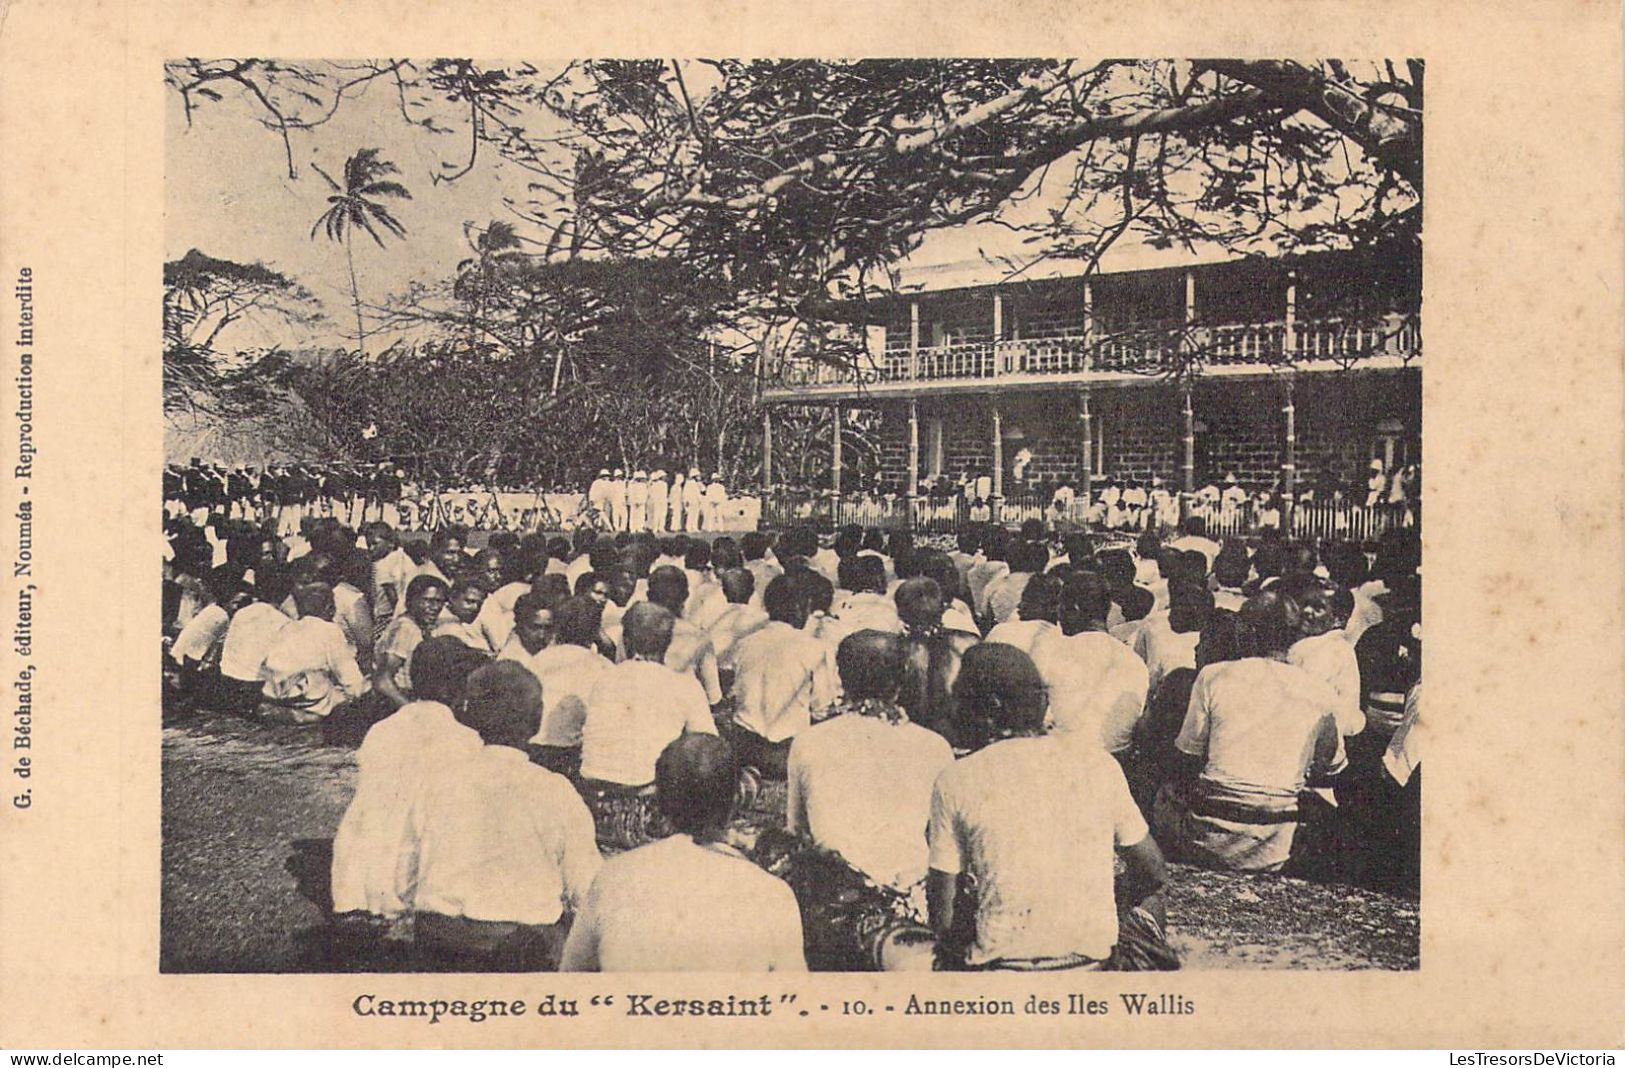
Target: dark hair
column 785, row 599
column 871, row 664
column 314, row 599
column 646, row 630
column 587, row 580
column 696, row 783
column 1231, row 566
column 940, row 567
column 999, row 690
column 422, row 584
column 502, row 703
column 668, row 588
column 531, row 602
column 1029, row 556
column 578, row 621
column 440, row 668
column 737, row 584
column 1085, row 599
column 1190, row 611
column 1041, row 598
column 753, row 546
column 1136, row 602
column 725, row 554
column 920, row 603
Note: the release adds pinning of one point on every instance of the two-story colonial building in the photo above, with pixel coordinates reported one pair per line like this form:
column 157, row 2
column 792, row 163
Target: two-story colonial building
column 1288, row 373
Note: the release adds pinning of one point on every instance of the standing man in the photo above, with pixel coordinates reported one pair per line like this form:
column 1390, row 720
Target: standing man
column 693, row 500
column 637, row 501
column 678, row 492
column 716, row 499
column 617, row 500
column 598, row 493
column 657, row 501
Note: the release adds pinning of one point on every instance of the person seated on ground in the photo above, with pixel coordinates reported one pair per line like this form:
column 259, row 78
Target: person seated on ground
column 860, row 781
column 309, row 668
column 495, row 621
column 636, row 707
column 1158, row 644
column 1147, row 559
column 391, row 673
column 1022, row 839
column 1134, row 605
column 1038, row 614
column 1321, row 649
column 690, row 651
column 557, row 641
column 397, row 753
column 743, row 616
column 864, row 604
column 1157, row 759
column 392, row 569
column 697, row 569
column 353, row 609
column 1389, row 655
column 498, row 851
column 1258, row 730
column 968, row 548
column 1003, row 595
column 196, row 649
column 754, row 548
column 1097, row 685
column 620, row 588
column 991, row 567
column 1195, row 539
column 466, row 599
column 248, row 638
column 939, row 567
column 1230, row 571
column 689, row 902
column 1116, row 566
column 784, row 678
column 446, row 558
column 933, row 656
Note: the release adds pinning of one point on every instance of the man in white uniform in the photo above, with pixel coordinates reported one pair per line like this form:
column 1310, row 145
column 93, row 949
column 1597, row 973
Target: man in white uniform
column 658, row 490
column 693, row 501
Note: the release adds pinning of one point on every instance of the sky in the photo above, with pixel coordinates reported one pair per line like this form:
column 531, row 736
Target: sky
column 228, row 194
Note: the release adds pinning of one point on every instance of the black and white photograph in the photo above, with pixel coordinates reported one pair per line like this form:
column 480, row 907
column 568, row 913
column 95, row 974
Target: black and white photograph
column 775, row 515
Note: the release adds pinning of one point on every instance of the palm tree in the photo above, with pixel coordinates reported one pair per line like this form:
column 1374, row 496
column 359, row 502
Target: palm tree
column 496, row 249
column 351, row 206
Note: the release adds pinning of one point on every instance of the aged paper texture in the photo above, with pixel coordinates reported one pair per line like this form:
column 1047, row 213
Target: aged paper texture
column 1522, row 908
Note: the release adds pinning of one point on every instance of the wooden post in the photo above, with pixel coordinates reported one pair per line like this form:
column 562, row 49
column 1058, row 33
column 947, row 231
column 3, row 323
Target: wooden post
column 913, row 460
column 767, row 448
column 1289, row 459
column 1189, row 464
column 1088, row 325
column 1289, row 340
column 998, row 332
column 835, row 462
column 913, row 340
column 998, row 461
column 1088, row 472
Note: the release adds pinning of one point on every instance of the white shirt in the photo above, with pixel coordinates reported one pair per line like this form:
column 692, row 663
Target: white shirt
column 782, row 676
column 1036, row 820
column 732, row 627
column 764, row 571
column 248, row 639
column 567, row 674
column 677, row 906
column 1024, row 634
column 495, row 620
column 1330, row 658
column 868, row 611
column 311, row 666
column 394, row 569
column 1097, row 686
column 634, row 711
column 198, row 638
column 862, row 787
column 495, row 837
column 392, row 761
column 981, row 576
column 469, row 634
column 1257, row 722
column 1192, row 542
column 827, row 563
column 1163, row 649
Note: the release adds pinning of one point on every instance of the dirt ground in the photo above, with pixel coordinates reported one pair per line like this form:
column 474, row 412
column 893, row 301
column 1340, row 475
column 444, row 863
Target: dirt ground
column 249, row 813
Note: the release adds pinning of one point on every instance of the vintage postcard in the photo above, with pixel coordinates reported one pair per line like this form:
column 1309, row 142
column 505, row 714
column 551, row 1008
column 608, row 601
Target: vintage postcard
column 765, row 526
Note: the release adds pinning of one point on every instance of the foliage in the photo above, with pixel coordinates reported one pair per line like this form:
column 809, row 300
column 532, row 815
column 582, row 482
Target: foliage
column 204, row 300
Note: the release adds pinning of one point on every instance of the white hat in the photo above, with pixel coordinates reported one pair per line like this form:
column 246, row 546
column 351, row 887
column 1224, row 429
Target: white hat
column 678, row 477
column 619, row 473
column 717, row 477
column 603, row 472
column 1230, row 479
column 694, row 472
column 1376, row 463
column 657, row 473
column 640, row 474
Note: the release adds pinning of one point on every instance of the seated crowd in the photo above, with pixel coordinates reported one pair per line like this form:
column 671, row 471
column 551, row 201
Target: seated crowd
column 867, row 754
